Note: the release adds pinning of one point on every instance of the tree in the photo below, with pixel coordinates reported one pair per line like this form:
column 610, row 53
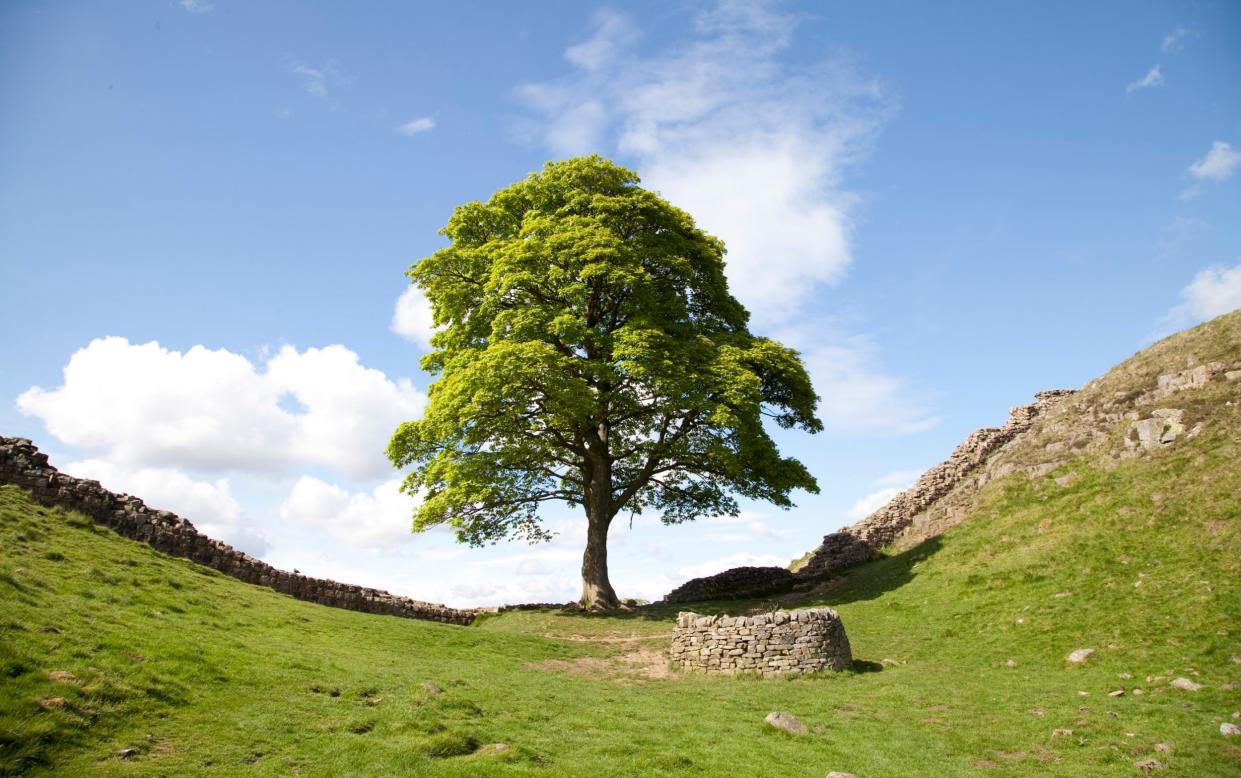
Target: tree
column 589, row 352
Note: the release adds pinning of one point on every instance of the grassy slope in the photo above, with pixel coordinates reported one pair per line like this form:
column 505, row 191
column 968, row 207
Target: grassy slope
column 204, row 675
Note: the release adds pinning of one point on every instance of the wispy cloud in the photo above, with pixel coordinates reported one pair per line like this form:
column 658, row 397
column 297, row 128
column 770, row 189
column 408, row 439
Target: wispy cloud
column 1153, row 77
column 1212, row 292
column 318, row 81
column 1175, row 40
column 197, row 6
column 416, row 126
column 723, row 126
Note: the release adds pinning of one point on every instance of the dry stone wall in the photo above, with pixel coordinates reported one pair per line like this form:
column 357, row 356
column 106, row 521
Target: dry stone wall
column 863, row 540
column 22, row 464
column 781, row 642
column 736, row 584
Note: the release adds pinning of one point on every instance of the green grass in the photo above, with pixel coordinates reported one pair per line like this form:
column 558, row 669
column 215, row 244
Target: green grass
column 203, row 675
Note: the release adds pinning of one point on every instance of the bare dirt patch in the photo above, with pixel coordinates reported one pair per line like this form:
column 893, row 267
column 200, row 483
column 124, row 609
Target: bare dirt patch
column 644, row 663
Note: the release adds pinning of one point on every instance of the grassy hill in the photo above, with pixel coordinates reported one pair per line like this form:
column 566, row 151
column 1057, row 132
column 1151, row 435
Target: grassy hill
column 116, row 660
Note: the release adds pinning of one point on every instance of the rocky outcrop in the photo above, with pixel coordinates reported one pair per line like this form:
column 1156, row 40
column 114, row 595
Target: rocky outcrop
column 863, row 540
column 738, row 583
column 777, row 643
column 22, row 464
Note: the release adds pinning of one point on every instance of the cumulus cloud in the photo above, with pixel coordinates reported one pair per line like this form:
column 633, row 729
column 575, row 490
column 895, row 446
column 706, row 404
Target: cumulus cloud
column 209, row 505
column 1153, row 77
column 142, row 405
column 1212, row 292
column 197, row 6
column 412, row 318
column 416, row 126
column 1218, row 164
column 372, row 519
column 723, row 127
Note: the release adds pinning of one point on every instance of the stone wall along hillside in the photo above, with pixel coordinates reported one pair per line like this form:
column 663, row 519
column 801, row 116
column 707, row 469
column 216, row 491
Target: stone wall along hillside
column 22, row 464
column 781, row 642
column 738, row 583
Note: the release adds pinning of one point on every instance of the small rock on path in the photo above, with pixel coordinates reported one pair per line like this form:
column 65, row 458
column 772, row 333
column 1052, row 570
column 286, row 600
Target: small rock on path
column 1186, row 685
column 1080, row 655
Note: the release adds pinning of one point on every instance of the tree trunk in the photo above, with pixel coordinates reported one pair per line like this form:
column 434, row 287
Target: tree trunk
column 596, row 588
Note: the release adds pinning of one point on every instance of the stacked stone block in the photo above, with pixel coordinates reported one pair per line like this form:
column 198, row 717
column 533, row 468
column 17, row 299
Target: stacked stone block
column 780, row 642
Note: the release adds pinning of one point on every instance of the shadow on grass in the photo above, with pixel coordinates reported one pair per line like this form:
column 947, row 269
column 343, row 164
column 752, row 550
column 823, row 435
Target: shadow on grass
column 865, row 581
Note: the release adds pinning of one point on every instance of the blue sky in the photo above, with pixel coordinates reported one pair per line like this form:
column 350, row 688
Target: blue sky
column 206, row 209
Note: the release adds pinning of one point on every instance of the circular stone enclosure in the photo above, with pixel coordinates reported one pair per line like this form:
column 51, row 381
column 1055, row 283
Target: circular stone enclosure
column 773, row 643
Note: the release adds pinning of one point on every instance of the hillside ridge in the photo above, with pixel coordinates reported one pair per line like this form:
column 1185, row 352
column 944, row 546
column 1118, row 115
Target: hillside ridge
column 1065, row 422
column 22, row 464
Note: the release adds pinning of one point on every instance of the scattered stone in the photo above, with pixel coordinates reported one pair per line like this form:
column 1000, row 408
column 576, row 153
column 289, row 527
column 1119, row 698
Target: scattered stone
column 1149, row 765
column 890, row 662
column 1163, row 748
column 787, row 722
column 1060, row 595
column 1061, row 732
column 494, row 748
column 432, row 689
column 1080, row 655
column 62, row 676
column 1039, row 712
column 1117, row 693
column 1125, row 676
column 1010, row 663
column 53, row 703
column 1138, row 692
column 1231, row 686
column 838, row 774
column 1228, row 728
column 1066, row 480
column 1186, row 685
column 1083, row 694
column 125, row 753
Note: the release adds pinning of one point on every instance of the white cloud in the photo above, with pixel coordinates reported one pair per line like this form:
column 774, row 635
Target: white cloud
column 1212, row 292
column 740, row 559
column 318, row 81
column 1175, row 40
column 613, row 34
column 416, row 126
column 857, row 395
column 209, row 505
column 722, row 127
column 1218, row 164
column 412, row 317
column 902, row 478
column 372, row 519
column 873, row 502
column 197, row 6
column 1153, row 77
column 214, row 411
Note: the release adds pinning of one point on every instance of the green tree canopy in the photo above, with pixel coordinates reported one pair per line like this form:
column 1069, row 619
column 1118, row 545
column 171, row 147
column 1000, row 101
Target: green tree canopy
column 589, row 352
